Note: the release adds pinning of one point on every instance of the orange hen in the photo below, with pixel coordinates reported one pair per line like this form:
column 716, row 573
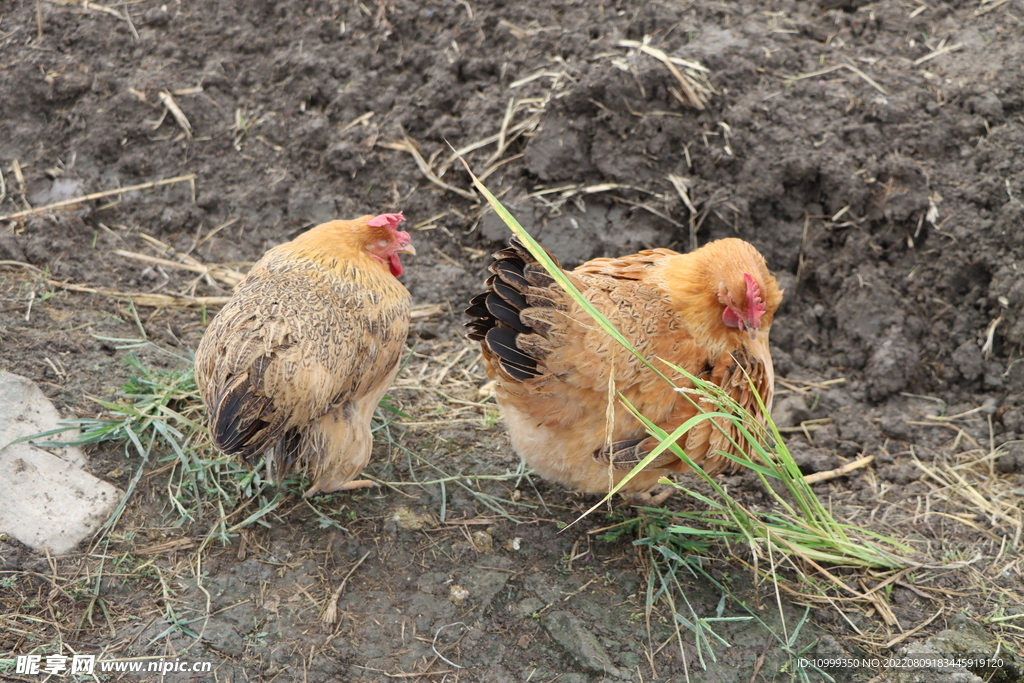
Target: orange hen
column 296, row 362
column 708, row 311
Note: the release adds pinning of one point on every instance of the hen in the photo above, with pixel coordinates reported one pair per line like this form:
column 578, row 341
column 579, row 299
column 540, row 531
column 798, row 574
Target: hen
column 296, row 362
column 708, row 311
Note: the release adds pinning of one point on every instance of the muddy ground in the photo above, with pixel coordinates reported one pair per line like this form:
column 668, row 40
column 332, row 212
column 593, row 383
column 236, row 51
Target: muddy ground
column 874, row 152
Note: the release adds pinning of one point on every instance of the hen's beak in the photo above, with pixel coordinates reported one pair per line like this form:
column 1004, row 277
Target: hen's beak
column 407, row 249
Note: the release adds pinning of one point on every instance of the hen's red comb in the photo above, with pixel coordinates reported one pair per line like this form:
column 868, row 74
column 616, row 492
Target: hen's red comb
column 755, row 304
column 391, row 220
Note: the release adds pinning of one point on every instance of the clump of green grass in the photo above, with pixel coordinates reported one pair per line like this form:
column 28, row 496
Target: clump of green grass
column 800, row 526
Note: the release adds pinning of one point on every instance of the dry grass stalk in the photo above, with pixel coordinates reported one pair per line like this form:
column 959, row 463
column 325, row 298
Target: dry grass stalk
column 189, row 178
column 990, row 337
column 575, row 193
column 680, row 185
column 213, row 232
column 917, row 629
column 506, row 135
column 802, row 259
column 805, row 387
column 543, row 73
column 958, row 416
column 985, row 10
column 694, row 93
column 938, row 52
column 490, row 139
column 422, row 311
column 330, row 614
column 813, row 74
column 978, row 493
column 495, row 166
column 166, row 547
column 848, row 67
column 806, row 426
column 144, row 299
column 867, row 79
column 503, row 133
column 19, row 179
column 131, row 24
column 839, row 471
column 408, row 146
column 226, row 276
column 176, row 112
column 358, row 121
column 93, row 7
column 961, row 435
column 881, row 608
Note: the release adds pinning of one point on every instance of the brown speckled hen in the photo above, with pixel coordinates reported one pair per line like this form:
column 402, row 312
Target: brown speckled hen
column 708, row 311
column 296, row 362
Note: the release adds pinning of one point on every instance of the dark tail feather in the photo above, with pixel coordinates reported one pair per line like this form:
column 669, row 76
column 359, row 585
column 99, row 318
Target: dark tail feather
column 502, row 343
column 497, row 313
column 237, row 426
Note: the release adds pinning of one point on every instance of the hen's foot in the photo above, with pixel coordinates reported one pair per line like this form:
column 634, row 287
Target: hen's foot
column 649, row 499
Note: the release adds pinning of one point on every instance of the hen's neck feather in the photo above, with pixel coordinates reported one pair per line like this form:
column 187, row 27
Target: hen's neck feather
column 338, row 245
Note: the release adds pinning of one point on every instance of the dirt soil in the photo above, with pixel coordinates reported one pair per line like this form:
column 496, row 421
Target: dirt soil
column 874, row 153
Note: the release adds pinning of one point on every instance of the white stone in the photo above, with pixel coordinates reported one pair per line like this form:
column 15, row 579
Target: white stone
column 46, row 499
